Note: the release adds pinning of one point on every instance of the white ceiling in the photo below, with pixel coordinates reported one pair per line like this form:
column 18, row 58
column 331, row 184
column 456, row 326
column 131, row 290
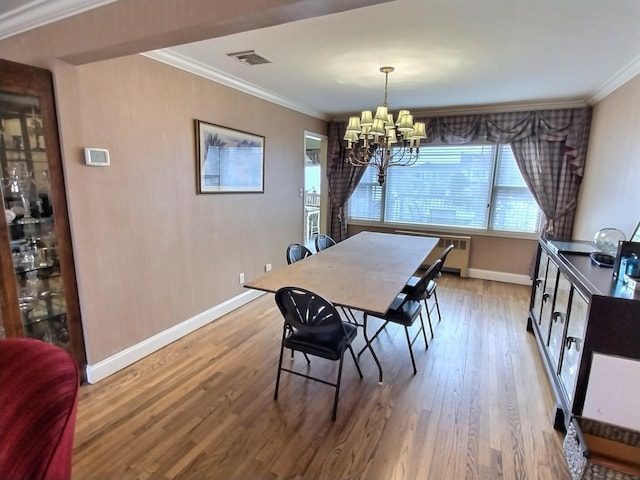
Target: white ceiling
column 447, row 53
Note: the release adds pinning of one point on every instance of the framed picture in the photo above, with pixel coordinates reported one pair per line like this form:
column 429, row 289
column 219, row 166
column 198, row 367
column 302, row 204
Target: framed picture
column 635, row 236
column 228, row 160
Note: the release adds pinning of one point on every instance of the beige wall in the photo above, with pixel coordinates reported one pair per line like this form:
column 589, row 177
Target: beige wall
column 149, row 252
column 610, row 191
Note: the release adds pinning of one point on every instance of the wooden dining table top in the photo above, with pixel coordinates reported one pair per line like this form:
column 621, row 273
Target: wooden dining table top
column 364, row 272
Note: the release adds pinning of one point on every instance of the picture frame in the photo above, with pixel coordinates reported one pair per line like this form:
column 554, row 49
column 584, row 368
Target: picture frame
column 635, row 236
column 228, row 160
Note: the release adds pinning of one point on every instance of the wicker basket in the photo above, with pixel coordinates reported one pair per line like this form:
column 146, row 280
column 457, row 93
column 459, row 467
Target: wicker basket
column 599, row 451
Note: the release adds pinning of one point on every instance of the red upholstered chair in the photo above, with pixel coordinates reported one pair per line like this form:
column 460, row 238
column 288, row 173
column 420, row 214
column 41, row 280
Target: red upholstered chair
column 38, row 400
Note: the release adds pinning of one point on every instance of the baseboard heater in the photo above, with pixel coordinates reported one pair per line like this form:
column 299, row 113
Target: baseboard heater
column 458, row 258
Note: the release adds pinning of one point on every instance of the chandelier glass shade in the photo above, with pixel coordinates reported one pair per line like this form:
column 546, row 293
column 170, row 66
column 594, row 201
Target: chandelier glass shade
column 380, row 142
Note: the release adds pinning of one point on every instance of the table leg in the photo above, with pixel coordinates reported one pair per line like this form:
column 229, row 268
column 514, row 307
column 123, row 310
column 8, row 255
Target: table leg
column 368, row 345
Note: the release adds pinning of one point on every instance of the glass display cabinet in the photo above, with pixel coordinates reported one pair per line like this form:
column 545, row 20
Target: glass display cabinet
column 37, row 280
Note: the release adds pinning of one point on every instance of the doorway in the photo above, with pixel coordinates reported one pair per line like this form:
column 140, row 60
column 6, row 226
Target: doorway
column 314, row 186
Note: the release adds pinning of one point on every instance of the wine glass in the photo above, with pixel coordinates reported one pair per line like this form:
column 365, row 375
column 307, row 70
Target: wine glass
column 19, row 183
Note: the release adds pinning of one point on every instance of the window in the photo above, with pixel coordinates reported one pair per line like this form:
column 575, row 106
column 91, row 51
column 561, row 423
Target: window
column 477, row 186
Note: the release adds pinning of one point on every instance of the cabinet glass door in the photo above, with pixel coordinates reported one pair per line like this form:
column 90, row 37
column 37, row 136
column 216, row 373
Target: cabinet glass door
column 539, row 286
column 547, row 301
column 573, row 343
column 559, row 320
column 29, row 216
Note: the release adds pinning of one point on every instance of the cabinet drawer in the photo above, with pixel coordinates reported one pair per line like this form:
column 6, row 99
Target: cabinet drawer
column 573, row 343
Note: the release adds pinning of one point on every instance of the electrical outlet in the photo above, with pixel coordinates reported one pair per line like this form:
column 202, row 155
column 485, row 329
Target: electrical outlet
column 242, row 278
column 267, row 267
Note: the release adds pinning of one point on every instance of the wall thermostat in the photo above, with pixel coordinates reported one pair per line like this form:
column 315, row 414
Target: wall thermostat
column 97, row 157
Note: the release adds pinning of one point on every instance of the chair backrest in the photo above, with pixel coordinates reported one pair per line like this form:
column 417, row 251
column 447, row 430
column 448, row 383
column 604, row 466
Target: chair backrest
column 312, row 199
column 39, row 395
column 422, row 285
column 323, row 241
column 443, row 255
column 297, row 251
column 308, row 312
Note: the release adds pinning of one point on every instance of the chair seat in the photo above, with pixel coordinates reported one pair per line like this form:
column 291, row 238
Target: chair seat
column 330, row 346
column 403, row 314
column 410, row 290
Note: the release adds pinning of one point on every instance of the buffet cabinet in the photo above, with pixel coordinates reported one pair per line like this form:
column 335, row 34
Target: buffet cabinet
column 38, row 289
column 579, row 311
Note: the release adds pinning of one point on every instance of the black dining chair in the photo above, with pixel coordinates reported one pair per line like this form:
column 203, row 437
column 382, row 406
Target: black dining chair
column 430, row 292
column 312, row 325
column 404, row 311
column 297, row 251
column 323, row 241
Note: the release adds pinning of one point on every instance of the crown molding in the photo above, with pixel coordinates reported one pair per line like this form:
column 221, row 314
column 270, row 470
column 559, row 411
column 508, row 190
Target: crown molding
column 488, row 109
column 619, row 79
column 37, row 13
column 197, row 68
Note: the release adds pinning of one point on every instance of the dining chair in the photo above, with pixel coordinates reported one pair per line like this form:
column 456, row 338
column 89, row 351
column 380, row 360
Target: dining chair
column 430, row 292
column 323, row 241
column 404, row 310
column 297, row 251
column 312, row 325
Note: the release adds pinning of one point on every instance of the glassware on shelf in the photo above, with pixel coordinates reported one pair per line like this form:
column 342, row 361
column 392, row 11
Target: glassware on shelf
column 19, row 182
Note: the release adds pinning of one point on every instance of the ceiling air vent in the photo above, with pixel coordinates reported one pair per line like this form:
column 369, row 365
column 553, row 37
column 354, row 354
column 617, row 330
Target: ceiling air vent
column 250, row 57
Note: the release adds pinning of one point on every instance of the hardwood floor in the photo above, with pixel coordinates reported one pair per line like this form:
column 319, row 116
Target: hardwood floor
column 202, row 408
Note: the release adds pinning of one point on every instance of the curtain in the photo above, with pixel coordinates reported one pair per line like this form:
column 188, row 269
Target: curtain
column 550, row 147
column 343, row 179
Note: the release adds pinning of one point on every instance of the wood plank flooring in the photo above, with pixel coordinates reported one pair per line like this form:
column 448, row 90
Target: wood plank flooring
column 480, row 406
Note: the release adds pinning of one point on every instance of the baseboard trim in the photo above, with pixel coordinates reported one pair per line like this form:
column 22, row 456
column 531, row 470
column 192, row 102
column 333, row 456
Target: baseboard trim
column 506, row 277
column 120, row 360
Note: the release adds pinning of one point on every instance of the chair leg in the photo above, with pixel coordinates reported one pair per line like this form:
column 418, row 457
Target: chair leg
column 275, row 395
column 413, row 362
column 353, row 355
column 424, row 332
column 435, row 297
column 335, row 401
column 426, row 307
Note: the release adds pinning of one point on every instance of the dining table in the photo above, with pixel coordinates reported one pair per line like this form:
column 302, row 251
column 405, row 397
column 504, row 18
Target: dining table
column 365, row 272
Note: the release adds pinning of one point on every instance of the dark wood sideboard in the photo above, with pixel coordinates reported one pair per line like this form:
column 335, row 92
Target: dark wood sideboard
column 578, row 309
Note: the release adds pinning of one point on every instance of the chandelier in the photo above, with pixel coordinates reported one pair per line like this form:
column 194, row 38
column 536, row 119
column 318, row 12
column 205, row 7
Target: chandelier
column 372, row 141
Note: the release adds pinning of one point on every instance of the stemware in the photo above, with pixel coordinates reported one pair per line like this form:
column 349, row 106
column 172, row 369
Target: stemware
column 19, row 181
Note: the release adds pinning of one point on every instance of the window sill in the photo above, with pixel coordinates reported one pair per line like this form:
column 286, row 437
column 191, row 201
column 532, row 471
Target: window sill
column 439, row 229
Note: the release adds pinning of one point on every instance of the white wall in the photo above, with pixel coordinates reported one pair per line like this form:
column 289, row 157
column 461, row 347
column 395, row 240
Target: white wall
column 610, row 191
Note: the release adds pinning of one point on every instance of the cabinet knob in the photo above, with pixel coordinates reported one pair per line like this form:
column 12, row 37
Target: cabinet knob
column 545, row 297
column 538, row 282
column 573, row 340
column 558, row 316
